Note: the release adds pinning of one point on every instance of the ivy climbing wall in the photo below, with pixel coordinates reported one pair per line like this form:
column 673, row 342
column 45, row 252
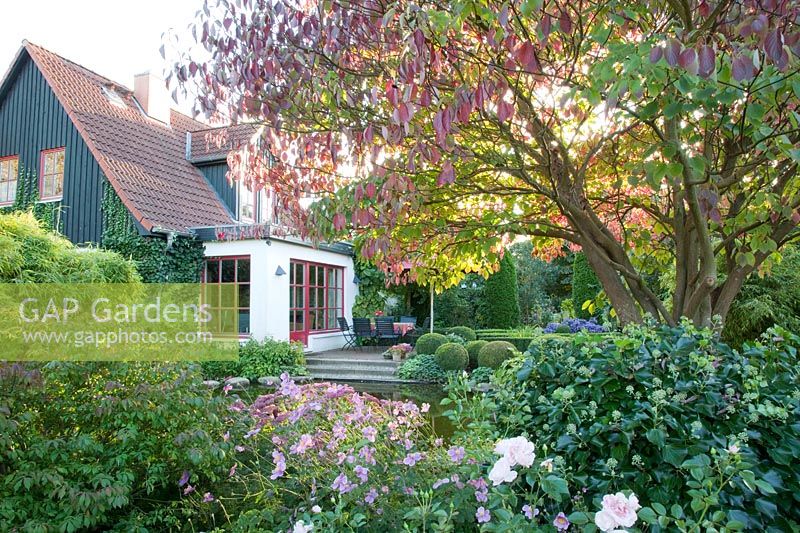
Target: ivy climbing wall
column 156, row 260
column 49, row 213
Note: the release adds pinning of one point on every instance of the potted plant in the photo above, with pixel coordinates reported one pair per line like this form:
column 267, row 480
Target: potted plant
column 398, row 352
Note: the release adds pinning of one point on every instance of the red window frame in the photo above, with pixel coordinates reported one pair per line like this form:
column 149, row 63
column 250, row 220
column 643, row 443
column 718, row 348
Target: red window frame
column 10, row 198
column 42, row 175
column 301, row 298
column 236, row 281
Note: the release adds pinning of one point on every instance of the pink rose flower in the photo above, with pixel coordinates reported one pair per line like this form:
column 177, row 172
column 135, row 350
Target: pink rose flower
column 517, row 450
column 618, row 511
column 501, row 472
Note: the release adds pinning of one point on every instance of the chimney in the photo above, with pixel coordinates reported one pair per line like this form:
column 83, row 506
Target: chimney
column 151, row 93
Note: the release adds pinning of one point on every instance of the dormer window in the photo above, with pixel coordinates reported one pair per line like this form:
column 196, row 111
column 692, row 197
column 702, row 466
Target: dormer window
column 247, row 204
column 114, row 97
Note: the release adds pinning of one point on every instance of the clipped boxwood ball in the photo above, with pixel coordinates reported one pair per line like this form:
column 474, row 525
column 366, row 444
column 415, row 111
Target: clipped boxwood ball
column 468, row 334
column 473, row 348
column 429, row 342
column 563, row 328
column 452, row 356
column 495, row 352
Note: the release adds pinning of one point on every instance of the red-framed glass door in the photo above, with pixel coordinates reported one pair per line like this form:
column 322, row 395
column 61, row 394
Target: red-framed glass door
column 316, row 299
column 298, row 289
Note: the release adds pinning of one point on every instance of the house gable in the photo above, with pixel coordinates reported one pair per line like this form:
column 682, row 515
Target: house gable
column 31, row 120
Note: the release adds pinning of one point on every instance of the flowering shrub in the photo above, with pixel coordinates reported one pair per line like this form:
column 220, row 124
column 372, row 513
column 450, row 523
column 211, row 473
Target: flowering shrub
column 706, row 437
column 321, row 457
column 575, row 325
column 92, row 446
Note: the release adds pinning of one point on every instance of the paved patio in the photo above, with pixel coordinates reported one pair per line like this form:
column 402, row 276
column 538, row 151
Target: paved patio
column 368, row 353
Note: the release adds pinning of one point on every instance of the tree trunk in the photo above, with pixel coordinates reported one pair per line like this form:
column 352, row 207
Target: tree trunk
column 618, row 294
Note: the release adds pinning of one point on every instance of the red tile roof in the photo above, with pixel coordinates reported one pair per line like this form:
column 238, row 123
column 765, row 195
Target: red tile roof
column 211, row 144
column 183, row 123
column 143, row 159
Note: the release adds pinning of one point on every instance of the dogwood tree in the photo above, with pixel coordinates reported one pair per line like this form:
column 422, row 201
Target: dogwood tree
column 653, row 135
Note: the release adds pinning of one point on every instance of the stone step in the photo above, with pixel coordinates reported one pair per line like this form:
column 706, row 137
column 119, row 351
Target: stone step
column 359, row 377
column 352, row 363
column 336, row 369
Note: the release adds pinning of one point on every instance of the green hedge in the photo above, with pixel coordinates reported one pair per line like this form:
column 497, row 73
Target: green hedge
column 468, row 334
column 520, row 343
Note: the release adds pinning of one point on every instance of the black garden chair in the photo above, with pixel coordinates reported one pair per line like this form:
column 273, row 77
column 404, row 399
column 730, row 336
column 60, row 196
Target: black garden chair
column 347, row 332
column 362, row 329
column 384, row 327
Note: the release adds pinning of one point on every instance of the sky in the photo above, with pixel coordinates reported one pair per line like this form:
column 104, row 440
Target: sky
column 116, row 39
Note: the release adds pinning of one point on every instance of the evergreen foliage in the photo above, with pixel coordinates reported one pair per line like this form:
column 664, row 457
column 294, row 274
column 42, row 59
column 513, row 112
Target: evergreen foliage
column 766, row 301
column 468, row 334
column 430, row 342
column 494, row 353
column 543, row 285
column 156, row 260
column 452, row 356
column 473, row 349
column 585, row 284
column 371, row 290
column 501, row 296
column 27, row 199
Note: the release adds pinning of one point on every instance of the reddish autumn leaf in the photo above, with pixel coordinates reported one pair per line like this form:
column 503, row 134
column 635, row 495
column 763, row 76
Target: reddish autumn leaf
column 759, row 24
column 525, row 55
column 742, row 67
column 688, row 60
column 371, row 190
column 544, row 28
column 447, row 174
column 339, row 222
column 505, row 110
column 656, row 53
column 565, row 22
column 706, row 60
column 773, row 45
column 672, row 53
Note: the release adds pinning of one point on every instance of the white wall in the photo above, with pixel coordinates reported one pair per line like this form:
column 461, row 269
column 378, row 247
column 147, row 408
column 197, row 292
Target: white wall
column 269, row 294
